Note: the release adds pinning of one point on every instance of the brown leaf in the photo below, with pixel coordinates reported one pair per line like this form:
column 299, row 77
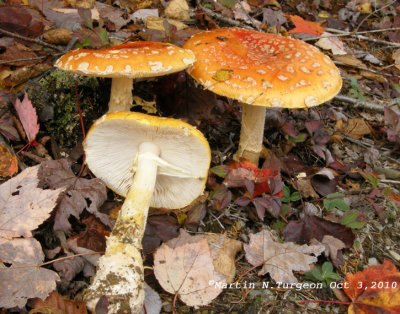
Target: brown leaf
column 68, row 268
column 21, row 75
column 184, row 266
column 8, row 162
column 223, row 252
column 18, row 51
column 23, row 205
column 57, row 301
column 309, row 227
column 22, row 280
column 19, row 20
column 374, row 290
column 350, row 60
column 159, row 228
column 355, row 128
column 333, row 247
column 280, row 259
column 305, row 188
column 80, row 194
column 57, row 36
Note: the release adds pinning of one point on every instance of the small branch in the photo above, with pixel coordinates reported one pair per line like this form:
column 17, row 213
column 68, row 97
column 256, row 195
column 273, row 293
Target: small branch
column 362, row 68
column 37, row 41
column 361, row 37
column 24, row 59
column 222, row 18
column 372, row 13
column 362, row 103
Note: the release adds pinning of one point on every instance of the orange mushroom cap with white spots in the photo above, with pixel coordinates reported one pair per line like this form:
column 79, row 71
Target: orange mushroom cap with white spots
column 263, row 69
column 124, row 63
column 131, row 60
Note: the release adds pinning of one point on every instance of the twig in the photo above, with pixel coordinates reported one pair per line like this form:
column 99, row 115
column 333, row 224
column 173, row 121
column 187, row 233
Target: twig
column 361, row 103
column 362, row 68
column 362, row 37
column 372, row 13
column 221, row 17
column 37, row 41
column 24, row 59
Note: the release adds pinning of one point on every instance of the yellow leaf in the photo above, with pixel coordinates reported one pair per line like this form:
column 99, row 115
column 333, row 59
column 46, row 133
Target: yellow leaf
column 222, row 75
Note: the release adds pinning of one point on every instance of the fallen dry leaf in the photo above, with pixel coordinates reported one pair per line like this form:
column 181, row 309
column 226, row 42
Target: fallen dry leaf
column 309, row 227
column 223, row 252
column 178, row 10
column 23, row 280
column 333, row 44
column 396, row 58
column 333, row 247
column 350, row 60
column 80, row 193
column 28, row 117
column 355, row 128
column 159, row 228
column 374, row 290
column 184, row 266
column 56, row 301
column 280, row 259
column 57, row 36
column 8, row 162
column 23, row 205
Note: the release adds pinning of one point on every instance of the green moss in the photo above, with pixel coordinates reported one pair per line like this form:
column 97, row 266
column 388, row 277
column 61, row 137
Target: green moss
column 55, row 101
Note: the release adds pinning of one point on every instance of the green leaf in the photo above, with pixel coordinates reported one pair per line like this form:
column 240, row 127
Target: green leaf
column 220, row 171
column 300, row 138
column 327, row 268
column 286, row 194
column 350, row 220
column 295, row 196
column 104, row 36
column 228, row 3
column 335, row 200
column 278, row 225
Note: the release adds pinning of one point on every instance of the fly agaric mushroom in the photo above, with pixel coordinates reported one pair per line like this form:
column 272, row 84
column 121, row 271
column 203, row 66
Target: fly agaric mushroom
column 261, row 70
column 124, row 63
column 152, row 161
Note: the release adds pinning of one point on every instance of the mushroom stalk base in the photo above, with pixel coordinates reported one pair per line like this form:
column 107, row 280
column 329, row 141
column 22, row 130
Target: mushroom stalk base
column 119, row 274
column 121, row 98
column 251, row 133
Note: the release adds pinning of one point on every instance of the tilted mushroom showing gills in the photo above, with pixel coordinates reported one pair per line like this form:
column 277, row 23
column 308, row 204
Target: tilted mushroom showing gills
column 151, row 161
column 261, row 70
column 124, row 63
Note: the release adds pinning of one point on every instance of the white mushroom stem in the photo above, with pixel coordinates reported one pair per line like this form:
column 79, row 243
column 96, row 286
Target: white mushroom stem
column 251, row 133
column 121, row 95
column 119, row 274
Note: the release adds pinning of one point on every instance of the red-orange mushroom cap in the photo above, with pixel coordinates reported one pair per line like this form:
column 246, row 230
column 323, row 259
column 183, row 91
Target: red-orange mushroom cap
column 124, row 63
column 263, row 69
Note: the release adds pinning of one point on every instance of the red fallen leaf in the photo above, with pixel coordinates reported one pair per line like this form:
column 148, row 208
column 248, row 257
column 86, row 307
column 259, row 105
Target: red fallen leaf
column 309, row 227
column 28, row 117
column 374, row 290
column 246, row 170
column 303, row 26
